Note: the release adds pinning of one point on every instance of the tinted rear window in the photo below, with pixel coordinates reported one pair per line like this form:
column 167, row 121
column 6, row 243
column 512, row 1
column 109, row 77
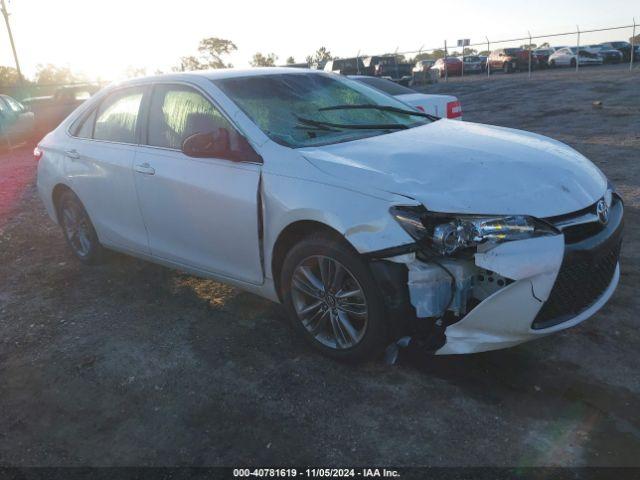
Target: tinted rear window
column 386, row 86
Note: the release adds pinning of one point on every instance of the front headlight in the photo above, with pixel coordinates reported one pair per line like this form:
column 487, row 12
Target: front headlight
column 447, row 234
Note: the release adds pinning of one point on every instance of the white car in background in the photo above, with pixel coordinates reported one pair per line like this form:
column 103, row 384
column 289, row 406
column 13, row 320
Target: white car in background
column 443, row 106
column 568, row 56
column 371, row 222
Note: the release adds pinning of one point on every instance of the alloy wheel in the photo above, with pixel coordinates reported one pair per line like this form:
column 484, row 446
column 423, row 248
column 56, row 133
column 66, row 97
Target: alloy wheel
column 77, row 229
column 329, row 302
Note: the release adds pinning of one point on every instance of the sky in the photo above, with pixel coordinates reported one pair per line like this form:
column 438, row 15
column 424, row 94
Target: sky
column 104, row 38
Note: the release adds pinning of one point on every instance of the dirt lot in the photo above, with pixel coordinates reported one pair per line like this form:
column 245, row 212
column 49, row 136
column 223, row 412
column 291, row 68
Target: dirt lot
column 133, row 364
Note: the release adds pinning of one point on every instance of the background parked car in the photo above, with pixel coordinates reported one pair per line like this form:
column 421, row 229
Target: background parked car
column 483, row 60
column 423, row 65
column 51, row 110
column 16, row 122
column 510, row 59
column 568, row 56
column 609, row 55
column 422, row 73
column 542, row 56
column 471, row 64
column 389, row 66
column 443, row 106
column 345, row 66
column 623, row 47
column 453, row 66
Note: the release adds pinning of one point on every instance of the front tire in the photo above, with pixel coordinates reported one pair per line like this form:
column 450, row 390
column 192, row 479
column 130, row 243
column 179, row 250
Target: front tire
column 78, row 230
column 333, row 300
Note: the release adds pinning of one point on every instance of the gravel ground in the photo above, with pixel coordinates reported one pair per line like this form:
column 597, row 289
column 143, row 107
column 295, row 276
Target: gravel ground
column 129, row 363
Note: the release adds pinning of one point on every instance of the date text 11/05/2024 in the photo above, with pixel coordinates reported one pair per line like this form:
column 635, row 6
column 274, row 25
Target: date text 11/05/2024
column 316, row 472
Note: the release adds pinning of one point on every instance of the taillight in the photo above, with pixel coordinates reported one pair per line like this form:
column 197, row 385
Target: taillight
column 420, row 107
column 454, row 109
column 37, row 153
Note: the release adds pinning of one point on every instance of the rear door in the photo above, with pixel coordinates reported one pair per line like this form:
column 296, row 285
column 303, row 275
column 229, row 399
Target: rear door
column 199, row 212
column 99, row 161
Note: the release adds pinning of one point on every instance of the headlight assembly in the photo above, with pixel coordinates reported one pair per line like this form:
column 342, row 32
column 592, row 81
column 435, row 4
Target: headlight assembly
column 448, row 234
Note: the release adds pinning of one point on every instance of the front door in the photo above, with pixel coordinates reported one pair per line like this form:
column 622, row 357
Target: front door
column 199, row 212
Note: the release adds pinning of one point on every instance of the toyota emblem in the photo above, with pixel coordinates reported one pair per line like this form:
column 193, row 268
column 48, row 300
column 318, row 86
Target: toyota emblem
column 602, row 210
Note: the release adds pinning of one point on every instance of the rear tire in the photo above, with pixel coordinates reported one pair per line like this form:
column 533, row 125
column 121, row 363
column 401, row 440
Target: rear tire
column 333, row 300
column 78, row 230
column 552, row 64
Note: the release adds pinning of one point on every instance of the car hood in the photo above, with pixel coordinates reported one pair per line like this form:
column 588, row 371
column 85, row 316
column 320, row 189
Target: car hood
column 462, row 167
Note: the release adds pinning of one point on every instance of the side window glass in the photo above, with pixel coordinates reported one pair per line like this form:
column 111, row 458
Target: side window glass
column 85, row 128
column 177, row 112
column 14, row 105
column 117, row 116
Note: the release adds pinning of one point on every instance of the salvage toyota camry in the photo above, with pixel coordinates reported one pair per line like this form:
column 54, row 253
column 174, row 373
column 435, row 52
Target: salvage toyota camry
column 369, row 220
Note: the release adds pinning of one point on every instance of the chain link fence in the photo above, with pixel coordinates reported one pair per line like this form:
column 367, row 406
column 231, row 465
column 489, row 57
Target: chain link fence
column 579, row 38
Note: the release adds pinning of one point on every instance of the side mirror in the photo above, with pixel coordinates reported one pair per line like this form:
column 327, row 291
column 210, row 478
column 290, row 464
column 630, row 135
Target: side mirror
column 219, row 143
column 212, row 144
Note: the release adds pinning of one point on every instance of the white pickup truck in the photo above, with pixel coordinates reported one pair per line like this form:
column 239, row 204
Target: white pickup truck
column 444, row 106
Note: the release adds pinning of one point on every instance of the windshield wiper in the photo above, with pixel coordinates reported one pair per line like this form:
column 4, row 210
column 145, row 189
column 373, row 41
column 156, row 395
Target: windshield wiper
column 384, row 108
column 323, row 128
column 354, row 126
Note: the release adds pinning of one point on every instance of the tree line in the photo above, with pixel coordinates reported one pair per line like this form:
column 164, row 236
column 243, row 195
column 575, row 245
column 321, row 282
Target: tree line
column 212, row 53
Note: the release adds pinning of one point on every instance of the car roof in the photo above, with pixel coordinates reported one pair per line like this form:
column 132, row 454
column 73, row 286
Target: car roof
column 218, row 74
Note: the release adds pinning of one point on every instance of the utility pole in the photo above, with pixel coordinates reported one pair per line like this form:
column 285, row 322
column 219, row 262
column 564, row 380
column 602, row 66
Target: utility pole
column 13, row 45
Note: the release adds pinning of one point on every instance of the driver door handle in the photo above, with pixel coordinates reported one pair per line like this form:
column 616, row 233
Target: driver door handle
column 72, row 154
column 145, row 169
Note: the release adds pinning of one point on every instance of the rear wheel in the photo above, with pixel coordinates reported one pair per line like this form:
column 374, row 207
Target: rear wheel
column 333, row 300
column 78, row 230
column 552, row 63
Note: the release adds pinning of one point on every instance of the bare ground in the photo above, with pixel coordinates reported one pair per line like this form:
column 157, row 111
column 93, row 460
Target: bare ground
column 133, row 364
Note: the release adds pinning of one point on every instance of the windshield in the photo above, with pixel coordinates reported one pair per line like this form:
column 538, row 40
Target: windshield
column 387, row 86
column 287, row 107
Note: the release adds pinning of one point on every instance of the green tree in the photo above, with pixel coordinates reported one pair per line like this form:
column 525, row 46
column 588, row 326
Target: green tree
column 545, row 45
column 189, row 63
column 8, row 76
column 49, row 74
column 319, row 58
column 291, row 60
column 212, row 50
column 260, row 60
column 470, row 51
column 132, row 72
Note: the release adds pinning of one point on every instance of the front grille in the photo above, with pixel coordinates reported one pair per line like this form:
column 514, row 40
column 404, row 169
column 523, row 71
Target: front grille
column 589, row 263
column 581, row 281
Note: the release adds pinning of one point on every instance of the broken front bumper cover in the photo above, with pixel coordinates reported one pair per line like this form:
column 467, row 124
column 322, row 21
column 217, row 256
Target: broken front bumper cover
column 533, row 272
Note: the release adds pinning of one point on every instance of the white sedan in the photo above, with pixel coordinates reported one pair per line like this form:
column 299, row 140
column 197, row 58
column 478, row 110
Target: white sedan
column 370, row 221
column 568, row 56
column 444, row 106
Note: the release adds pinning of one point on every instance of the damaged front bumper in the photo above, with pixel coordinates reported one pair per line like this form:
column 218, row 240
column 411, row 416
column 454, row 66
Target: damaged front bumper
column 506, row 294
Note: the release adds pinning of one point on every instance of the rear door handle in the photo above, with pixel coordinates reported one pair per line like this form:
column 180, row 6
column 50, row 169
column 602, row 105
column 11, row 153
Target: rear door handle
column 145, row 169
column 72, row 154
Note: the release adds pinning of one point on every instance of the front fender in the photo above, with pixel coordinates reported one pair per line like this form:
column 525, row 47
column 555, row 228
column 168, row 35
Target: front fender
column 362, row 219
